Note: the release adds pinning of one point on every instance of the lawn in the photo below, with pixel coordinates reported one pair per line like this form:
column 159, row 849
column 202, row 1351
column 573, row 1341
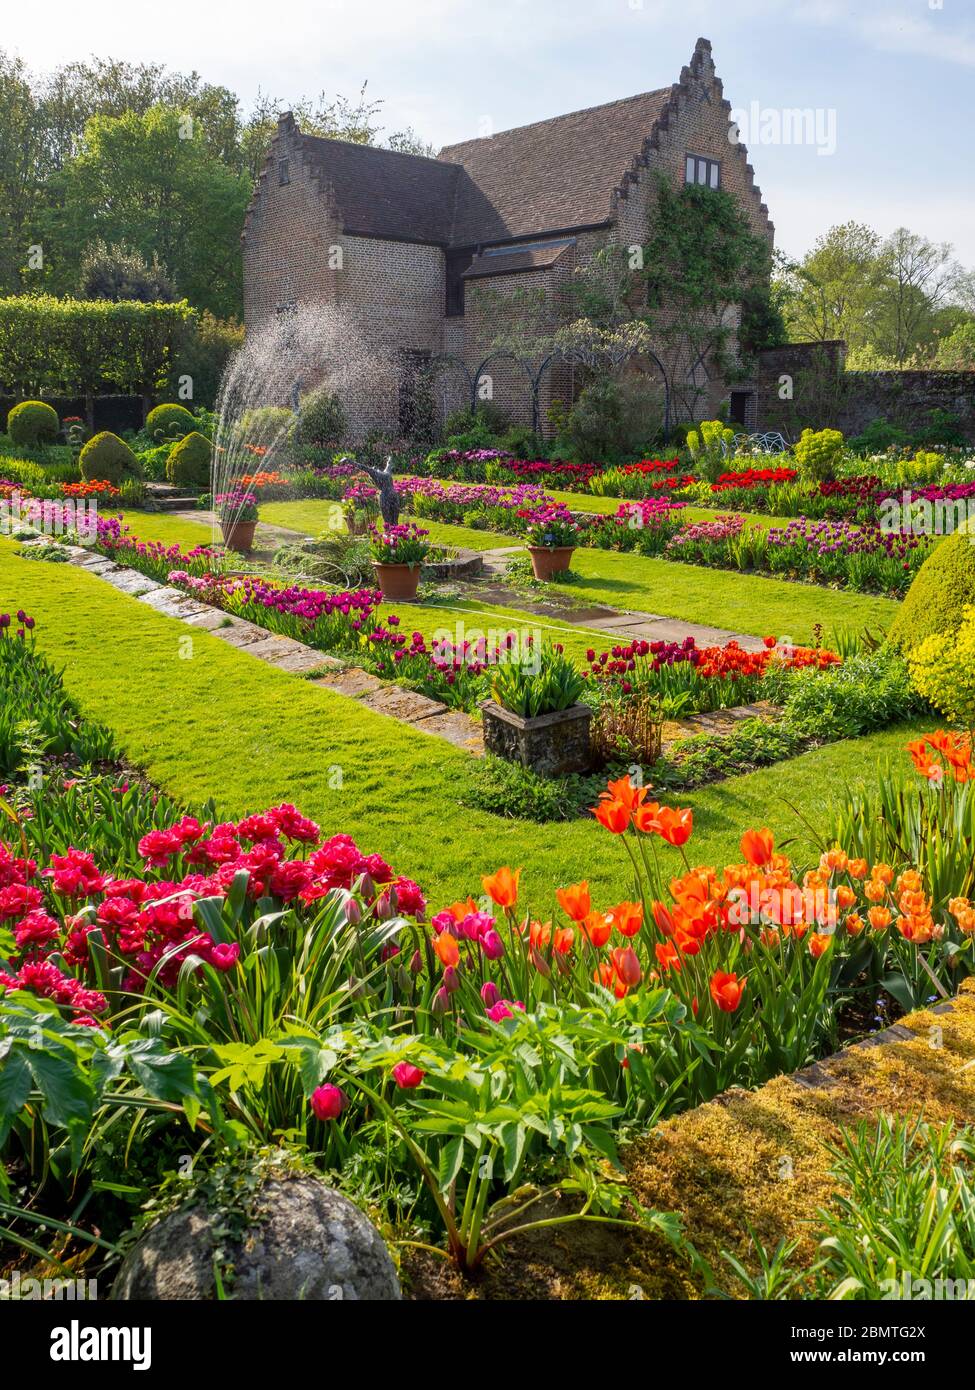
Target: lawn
column 214, row 721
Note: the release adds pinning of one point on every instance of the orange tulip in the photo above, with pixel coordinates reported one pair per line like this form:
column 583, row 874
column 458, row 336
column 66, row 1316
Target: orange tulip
column 623, row 791
column 667, row 956
column 613, row 815
column 757, row 846
column 845, row 896
column 627, row 918
column 854, row 924
column 605, row 975
column 883, row 873
column 879, row 918
column 675, row 825
column 502, row 886
column 597, row 927
column 726, row 991
column 818, row 943
column 461, row 910
column 875, row 891
column 563, row 940
column 645, row 817
column 446, row 948
column 857, row 868
column 574, row 900
column 663, row 919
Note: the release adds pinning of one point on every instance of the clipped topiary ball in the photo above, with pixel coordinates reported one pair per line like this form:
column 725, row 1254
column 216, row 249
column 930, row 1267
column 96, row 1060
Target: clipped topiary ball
column 170, row 422
column 33, row 422
column 188, row 464
column 106, row 458
column 943, row 587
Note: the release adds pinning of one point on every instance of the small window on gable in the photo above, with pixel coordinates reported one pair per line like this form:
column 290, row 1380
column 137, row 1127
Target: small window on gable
column 284, row 175
column 703, row 171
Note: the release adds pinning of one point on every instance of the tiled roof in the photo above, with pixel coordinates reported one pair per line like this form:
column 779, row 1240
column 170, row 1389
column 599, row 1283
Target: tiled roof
column 552, row 175
column 505, row 260
column 383, row 193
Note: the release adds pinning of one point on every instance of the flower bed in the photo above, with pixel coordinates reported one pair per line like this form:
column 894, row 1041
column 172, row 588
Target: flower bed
column 862, row 558
column 115, row 541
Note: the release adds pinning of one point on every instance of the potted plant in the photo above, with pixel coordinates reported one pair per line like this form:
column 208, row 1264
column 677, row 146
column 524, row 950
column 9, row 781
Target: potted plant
column 397, row 555
column 238, row 519
column 551, row 537
column 535, row 717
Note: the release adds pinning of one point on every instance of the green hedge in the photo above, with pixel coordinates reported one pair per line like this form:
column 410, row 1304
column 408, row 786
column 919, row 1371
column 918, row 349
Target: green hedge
column 79, row 346
column 189, row 462
column 106, row 458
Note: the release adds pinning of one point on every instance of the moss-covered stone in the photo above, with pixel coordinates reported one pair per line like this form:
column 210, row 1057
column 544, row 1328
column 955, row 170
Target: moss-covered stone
column 942, row 588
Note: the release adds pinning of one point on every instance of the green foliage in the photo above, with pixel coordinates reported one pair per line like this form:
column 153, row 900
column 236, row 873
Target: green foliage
column 508, row 789
column 523, row 443
column 865, row 693
column 817, row 453
column 188, row 464
column 613, row 419
column 879, row 435
column 33, row 422
column 106, row 458
column 321, row 422
column 956, row 352
column 79, row 346
column 942, row 589
column 555, row 685
column 170, row 422
column 203, row 353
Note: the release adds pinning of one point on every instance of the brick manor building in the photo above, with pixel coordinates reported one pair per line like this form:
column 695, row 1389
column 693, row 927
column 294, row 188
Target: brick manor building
column 401, row 242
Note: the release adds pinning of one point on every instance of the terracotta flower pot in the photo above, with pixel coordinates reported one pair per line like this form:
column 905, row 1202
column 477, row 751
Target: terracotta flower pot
column 398, row 582
column 238, row 535
column 549, row 560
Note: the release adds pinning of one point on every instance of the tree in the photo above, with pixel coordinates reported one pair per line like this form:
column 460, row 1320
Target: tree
column 919, row 278
column 150, row 182
column 119, row 272
column 956, row 353
column 833, row 292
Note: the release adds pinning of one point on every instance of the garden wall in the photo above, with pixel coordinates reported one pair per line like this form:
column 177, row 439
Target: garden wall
column 804, row 384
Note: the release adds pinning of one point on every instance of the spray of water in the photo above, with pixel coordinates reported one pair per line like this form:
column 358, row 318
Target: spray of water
column 306, row 348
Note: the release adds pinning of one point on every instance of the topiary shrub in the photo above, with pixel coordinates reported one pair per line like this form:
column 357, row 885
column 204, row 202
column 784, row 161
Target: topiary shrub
column 943, row 587
column 188, row 464
column 170, row 422
column 943, row 670
column 33, row 422
column 106, row 458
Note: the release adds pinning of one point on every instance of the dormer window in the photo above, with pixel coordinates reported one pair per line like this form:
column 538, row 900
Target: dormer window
column 704, row 171
column 284, row 175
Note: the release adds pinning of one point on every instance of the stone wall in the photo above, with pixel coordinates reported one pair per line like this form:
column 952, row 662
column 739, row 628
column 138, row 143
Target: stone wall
column 806, row 384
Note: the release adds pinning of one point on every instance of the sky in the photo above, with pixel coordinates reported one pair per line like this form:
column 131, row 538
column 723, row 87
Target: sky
column 889, row 85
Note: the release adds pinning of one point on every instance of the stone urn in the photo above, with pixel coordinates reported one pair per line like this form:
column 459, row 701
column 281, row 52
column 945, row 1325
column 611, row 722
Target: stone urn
column 550, row 744
column 548, row 560
column 399, row 583
column 302, row 1241
column 238, row 535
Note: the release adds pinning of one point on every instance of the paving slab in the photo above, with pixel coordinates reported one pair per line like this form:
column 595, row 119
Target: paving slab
column 403, row 704
column 353, row 682
column 239, row 633
column 131, row 582
column 457, row 728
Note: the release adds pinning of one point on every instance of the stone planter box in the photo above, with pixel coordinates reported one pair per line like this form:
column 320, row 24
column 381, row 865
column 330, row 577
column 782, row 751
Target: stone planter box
column 550, row 744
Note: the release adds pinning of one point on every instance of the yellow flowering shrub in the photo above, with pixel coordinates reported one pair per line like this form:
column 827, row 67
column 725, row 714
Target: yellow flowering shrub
column 817, row 454
column 943, row 670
